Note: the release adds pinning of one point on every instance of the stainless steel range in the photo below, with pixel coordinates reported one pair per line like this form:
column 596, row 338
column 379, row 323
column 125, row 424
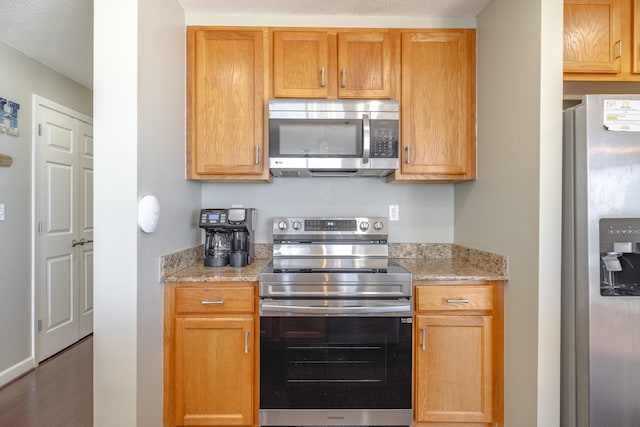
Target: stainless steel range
column 336, row 326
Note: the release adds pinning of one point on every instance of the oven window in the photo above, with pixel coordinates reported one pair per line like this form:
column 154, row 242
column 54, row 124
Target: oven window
column 315, row 138
column 335, row 363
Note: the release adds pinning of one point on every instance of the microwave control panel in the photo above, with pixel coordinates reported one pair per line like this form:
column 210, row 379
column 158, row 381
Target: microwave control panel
column 384, row 139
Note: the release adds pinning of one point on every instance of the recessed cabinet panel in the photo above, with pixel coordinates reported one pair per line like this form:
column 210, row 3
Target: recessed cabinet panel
column 438, row 105
column 592, row 38
column 214, row 371
column 364, row 65
column 454, row 369
column 301, row 64
column 225, row 98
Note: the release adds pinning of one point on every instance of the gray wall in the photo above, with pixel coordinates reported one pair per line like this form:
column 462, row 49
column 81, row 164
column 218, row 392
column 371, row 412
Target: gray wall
column 20, row 78
column 514, row 207
column 426, row 211
column 161, row 171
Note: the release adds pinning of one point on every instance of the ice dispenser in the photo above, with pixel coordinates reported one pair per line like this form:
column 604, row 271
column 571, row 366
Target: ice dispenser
column 620, row 257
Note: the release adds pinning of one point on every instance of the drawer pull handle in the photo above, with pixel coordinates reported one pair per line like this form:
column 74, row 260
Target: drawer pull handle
column 457, row 301
column 207, row 302
column 246, row 341
column 423, row 338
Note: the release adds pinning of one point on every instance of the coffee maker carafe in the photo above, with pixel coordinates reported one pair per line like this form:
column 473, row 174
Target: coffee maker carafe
column 228, row 236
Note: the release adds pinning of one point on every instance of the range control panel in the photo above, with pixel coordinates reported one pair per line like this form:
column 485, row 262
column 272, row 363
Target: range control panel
column 330, row 226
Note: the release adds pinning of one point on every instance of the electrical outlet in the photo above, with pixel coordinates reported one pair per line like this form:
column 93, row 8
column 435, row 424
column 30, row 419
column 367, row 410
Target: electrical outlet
column 394, row 213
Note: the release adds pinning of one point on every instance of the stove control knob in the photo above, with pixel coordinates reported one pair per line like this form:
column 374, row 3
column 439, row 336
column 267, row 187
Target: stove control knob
column 378, row 225
column 282, row 225
column 297, row 225
column 364, row 226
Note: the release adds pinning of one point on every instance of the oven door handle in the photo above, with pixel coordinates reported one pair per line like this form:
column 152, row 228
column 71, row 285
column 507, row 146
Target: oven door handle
column 401, row 308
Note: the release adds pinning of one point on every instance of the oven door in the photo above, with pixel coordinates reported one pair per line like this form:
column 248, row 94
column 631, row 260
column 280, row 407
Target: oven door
column 335, row 367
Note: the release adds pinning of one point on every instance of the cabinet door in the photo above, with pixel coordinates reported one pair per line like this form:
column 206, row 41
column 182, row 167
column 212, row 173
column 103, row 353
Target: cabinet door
column 592, row 36
column 438, row 105
column 225, row 99
column 635, row 47
column 301, row 66
column 214, row 371
column 453, row 369
column 364, row 65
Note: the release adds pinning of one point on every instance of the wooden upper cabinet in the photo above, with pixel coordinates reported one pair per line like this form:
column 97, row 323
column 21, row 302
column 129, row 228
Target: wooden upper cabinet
column 330, row 64
column 225, row 104
column 364, row 65
column 635, row 45
column 300, row 64
column 438, row 107
column 592, row 36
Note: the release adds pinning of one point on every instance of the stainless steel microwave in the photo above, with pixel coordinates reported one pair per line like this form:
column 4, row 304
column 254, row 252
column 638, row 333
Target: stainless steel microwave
column 333, row 137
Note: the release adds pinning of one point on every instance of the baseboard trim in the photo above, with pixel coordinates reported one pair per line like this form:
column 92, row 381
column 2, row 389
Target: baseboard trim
column 13, row 372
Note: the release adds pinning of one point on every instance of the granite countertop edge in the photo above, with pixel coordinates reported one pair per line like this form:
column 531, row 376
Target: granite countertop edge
column 426, row 262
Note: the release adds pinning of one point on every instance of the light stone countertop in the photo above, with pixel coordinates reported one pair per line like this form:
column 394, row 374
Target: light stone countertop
column 446, row 269
column 197, row 272
column 429, row 262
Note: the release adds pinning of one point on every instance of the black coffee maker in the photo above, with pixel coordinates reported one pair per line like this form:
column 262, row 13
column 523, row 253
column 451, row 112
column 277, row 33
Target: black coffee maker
column 229, row 236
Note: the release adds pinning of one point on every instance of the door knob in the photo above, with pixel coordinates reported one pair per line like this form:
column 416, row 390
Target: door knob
column 80, row 242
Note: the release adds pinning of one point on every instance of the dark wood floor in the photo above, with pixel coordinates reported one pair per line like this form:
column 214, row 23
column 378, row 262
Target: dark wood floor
column 58, row 393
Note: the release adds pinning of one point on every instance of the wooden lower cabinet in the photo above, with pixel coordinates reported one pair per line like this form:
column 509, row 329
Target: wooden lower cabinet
column 211, row 373
column 458, row 354
column 211, row 356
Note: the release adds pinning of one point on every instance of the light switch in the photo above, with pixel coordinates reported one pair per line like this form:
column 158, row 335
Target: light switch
column 1, row 211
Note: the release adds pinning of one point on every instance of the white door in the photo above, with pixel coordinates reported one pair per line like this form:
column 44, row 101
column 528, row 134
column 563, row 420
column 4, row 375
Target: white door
column 64, row 220
column 85, row 214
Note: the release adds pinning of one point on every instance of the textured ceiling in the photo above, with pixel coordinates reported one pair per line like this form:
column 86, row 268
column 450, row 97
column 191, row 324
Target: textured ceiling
column 59, row 33
column 438, row 8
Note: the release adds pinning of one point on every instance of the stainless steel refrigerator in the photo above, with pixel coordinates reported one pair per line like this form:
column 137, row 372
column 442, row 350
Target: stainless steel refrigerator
column 601, row 263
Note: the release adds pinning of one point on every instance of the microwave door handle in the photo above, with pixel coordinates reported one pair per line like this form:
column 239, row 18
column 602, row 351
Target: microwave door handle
column 366, row 137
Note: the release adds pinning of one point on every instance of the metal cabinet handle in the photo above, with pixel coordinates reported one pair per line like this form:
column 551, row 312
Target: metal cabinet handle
column 246, row 341
column 207, row 302
column 423, row 338
column 257, row 155
column 406, row 160
column 619, row 49
column 344, row 77
column 457, row 301
column 322, row 80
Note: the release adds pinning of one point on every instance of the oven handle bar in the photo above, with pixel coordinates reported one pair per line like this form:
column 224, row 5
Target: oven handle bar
column 395, row 308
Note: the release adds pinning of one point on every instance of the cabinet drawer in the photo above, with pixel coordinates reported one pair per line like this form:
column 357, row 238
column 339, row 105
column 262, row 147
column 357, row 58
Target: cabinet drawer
column 214, row 300
column 453, row 297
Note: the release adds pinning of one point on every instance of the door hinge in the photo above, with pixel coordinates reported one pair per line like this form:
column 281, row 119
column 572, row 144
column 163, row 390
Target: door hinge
column 39, row 129
column 39, row 325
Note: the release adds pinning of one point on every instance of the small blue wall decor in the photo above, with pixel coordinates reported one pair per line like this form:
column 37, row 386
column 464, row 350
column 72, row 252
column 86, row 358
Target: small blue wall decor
column 9, row 117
